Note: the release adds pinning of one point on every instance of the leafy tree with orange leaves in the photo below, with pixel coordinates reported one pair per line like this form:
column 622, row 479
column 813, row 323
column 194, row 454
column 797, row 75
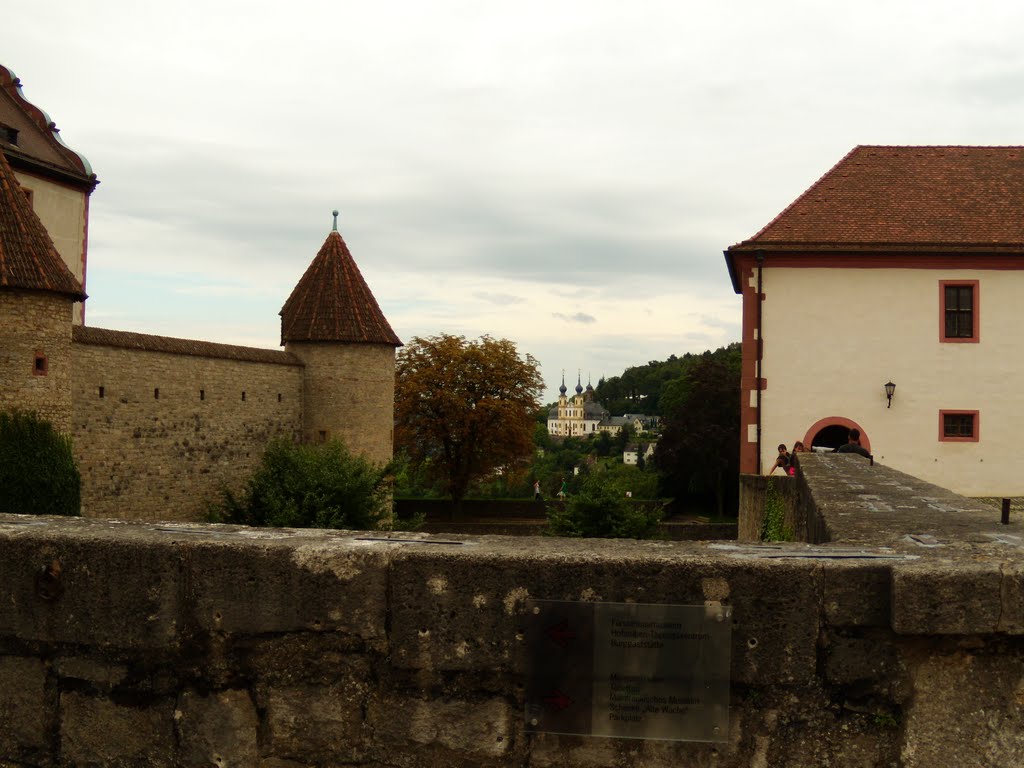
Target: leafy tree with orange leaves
column 464, row 409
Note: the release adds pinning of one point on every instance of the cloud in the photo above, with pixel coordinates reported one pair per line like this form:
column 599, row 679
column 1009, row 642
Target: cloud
column 579, row 317
column 501, row 299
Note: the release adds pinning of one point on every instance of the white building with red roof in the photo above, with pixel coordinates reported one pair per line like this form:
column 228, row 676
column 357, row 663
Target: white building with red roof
column 901, row 266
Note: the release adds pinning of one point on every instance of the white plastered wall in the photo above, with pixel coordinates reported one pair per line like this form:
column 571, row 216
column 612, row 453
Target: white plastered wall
column 834, row 337
column 62, row 211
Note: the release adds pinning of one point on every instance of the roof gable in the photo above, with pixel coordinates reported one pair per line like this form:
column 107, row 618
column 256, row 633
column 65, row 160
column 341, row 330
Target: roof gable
column 38, row 144
column 28, row 258
column 332, row 302
column 908, row 196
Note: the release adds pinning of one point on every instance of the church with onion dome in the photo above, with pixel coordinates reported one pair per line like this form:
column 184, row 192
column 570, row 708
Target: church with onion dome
column 576, row 416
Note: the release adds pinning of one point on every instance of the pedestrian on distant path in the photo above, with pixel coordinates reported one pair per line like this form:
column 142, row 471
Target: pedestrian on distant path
column 782, row 462
column 564, row 490
column 853, row 445
column 536, row 491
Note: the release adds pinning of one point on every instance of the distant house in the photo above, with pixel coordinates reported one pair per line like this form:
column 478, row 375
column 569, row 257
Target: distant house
column 901, row 266
column 643, row 422
column 634, row 451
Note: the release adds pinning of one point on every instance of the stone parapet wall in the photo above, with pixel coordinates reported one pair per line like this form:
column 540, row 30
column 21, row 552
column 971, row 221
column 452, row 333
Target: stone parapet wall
column 143, row 644
column 36, row 323
column 157, row 435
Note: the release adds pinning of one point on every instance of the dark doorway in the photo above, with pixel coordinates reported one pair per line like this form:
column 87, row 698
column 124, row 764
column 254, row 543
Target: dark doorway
column 831, row 436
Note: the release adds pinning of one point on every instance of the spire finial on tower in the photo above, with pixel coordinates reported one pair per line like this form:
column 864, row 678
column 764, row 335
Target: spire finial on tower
column 335, row 214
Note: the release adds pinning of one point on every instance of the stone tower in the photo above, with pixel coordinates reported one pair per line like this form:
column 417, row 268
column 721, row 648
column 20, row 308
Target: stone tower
column 37, row 298
column 332, row 323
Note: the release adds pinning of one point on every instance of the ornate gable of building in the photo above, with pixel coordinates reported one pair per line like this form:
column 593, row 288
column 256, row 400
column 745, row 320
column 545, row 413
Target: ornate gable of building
column 31, row 140
column 332, row 302
column 907, row 197
column 28, row 258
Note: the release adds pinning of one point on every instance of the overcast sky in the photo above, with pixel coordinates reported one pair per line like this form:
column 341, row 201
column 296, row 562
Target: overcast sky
column 563, row 174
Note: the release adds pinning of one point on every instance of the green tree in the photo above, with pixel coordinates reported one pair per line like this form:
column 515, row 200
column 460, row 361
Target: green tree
column 698, row 453
column 465, row 408
column 38, row 475
column 600, row 509
column 310, row 486
column 623, row 438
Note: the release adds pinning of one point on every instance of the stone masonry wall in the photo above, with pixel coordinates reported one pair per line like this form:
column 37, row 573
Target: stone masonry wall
column 36, row 323
column 170, row 430
column 349, row 394
column 129, row 644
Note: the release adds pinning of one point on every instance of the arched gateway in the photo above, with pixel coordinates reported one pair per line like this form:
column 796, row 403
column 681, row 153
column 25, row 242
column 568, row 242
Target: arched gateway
column 833, row 431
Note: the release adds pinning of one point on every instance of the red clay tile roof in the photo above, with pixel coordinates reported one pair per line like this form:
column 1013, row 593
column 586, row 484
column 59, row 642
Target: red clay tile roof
column 908, row 196
column 39, row 146
column 332, row 302
column 105, row 337
column 28, row 258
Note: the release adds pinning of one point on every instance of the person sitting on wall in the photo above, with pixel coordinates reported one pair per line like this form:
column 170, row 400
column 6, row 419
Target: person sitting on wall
column 798, row 447
column 782, row 462
column 853, row 445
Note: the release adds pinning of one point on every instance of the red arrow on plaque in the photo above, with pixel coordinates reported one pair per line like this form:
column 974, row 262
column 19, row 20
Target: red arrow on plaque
column 560, row 634
column 557, row 700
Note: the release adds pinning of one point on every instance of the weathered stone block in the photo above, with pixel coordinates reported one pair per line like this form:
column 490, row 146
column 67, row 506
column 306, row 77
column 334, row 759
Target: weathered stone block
column 967, row 709
column 936, row 598
column 220, row 729
column 301, row 658
column 463, row 611
column 316, row 724
column 865, row 660
column 24, row 719
column 100, row 674
column 320, row 582
column 99, row 731
column 105, row 585
column 1011, row 618
column 856, row 594
column 478, row 729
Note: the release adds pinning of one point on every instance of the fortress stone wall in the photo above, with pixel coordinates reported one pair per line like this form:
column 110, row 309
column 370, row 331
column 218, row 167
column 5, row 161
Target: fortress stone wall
column 36, row 325
column 161, row 426
column 349, row 393
column 898, row 641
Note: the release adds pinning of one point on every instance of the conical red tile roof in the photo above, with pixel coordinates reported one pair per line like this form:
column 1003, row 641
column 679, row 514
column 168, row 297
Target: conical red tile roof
column 332, row 302
column 28, row 258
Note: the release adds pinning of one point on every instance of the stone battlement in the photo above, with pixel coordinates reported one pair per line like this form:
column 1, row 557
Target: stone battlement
column 170, row 644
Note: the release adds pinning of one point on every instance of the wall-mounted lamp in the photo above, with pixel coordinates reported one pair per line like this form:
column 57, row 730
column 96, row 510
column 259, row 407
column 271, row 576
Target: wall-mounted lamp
column 889, row 389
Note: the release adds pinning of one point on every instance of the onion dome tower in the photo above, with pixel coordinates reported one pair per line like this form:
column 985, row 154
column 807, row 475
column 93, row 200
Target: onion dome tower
column 37, row 297
column 332, row 322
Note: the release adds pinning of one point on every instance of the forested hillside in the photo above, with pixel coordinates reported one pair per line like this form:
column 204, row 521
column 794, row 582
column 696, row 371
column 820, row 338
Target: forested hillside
column 642, row 388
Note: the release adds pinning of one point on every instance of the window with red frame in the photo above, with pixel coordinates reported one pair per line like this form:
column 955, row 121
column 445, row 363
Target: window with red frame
column 958, row 426
column 959, row 315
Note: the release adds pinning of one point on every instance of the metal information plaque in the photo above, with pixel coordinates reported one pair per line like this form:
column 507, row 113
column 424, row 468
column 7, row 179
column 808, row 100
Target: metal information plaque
column 628, row 670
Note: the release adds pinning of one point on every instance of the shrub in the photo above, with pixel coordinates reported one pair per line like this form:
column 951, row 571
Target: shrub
column 310, row 486
column 601, row 510
column 38, row 475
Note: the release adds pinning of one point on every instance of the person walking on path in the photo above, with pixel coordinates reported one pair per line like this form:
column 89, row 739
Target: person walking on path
column 853, row 445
